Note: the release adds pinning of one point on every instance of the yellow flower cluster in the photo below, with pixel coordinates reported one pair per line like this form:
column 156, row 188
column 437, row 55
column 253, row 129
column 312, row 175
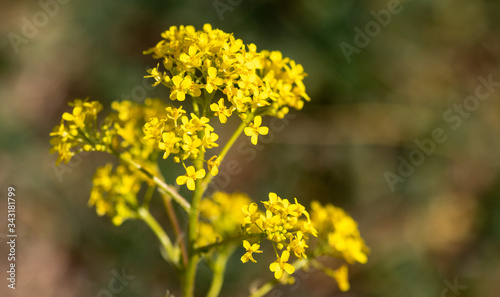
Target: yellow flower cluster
column 287, row 225
column 119, row 131
column 77, row 130
column 220, row 217
column 128, row 121
column 223, row 76
column 341, row 232
column 343, row 239
column 211, row 60
column 114, row 193
column 185, row 138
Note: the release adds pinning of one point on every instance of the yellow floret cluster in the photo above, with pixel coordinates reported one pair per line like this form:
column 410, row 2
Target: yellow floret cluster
column 220, row 217
column 73, row 135
column 114, row 193
column 287, row 225
column 210, row 60
column 338, row 236
column 341, row 233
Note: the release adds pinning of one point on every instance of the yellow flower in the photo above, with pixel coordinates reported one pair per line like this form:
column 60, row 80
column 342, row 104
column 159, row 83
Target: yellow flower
column 157, row 75
column 190, row 176
column 341, row 276
column 281, row 265
column 195, row 124
column 183, row 86
column 213, row 165
column 190, row 146
column 154, row 129
column 221, row 110
column 192, row 58
column 251, row 213
column 212, row 80
column 254, row 248
column 254, row 129
column 174, row 113
column 209, row 139
column 298, row 245
column 169, row 144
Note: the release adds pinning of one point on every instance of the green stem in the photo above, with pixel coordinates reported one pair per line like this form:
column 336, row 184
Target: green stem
column 167, row 201
column 219, row 269
column 196, row 108
column 226, row 148
column 167, row 188
column 146, row 216
column 188, row 286
column 148, row 196
column 264, row 289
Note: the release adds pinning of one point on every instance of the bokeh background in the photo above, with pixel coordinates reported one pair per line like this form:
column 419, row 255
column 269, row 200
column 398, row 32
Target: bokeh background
column 440, row 225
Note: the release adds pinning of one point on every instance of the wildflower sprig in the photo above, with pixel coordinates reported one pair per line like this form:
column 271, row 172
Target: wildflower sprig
column 78, row 131
column 287, row 225
column 343, row 240
column 214, row 79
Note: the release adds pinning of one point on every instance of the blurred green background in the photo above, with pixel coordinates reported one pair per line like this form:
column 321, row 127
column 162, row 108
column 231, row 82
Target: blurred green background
column 436, row 226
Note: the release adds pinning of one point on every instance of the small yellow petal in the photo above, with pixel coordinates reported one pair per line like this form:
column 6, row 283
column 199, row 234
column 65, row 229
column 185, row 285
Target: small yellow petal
column 274, row 266
column 285, row 256
column 181, row 96
column 190, row 184
column 209, row 88
column 289, row 268
column 248, row 131
column 68, row 117
column 258, row 121
column 200, row 174
column 212, row 72
column 254, row 139
column 181, row 180
column 263, row 130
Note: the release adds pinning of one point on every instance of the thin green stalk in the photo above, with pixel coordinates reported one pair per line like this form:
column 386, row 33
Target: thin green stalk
column 167, row 201
column 146, row 216
column 264, row 289
column 147, row 196
column 226, row 148
column 158, row 181
column 219, row 269
column 188, row 286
